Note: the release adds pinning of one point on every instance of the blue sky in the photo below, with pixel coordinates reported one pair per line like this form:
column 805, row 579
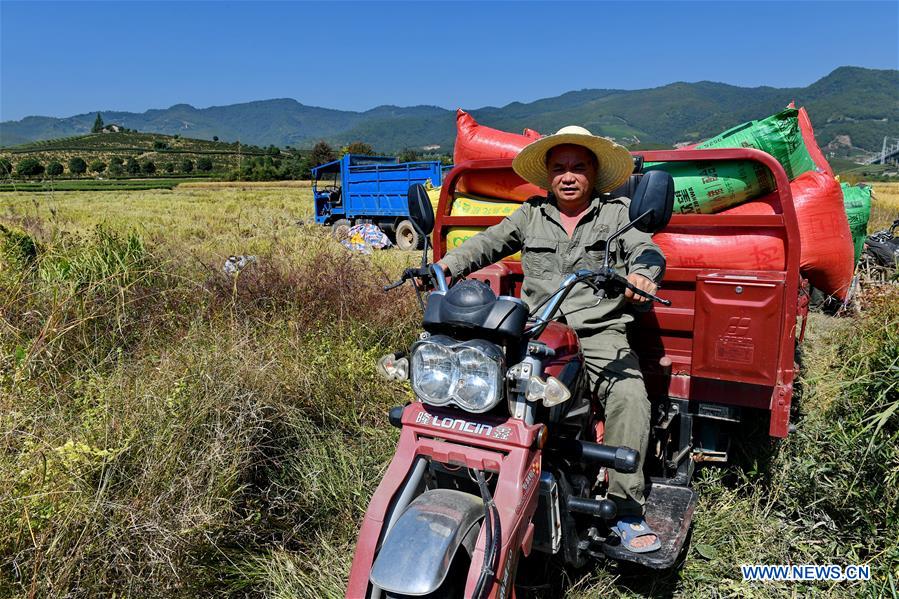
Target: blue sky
column 64, row 58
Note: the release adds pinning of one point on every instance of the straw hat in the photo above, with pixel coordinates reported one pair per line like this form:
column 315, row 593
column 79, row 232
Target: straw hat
column 615, row 163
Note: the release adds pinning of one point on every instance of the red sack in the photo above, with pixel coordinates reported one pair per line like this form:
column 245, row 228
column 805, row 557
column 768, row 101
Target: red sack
column 477, row 142
column 721, row 247
column 828, row 254
column 531, row 133
column 499, row 184
column 808, row 136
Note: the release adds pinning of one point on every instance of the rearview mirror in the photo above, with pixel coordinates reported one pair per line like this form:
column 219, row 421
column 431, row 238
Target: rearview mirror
column 420, row 211
column 654, row 200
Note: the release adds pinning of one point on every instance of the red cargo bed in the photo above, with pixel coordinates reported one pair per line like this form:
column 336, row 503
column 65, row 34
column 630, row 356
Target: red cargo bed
column 729, row 333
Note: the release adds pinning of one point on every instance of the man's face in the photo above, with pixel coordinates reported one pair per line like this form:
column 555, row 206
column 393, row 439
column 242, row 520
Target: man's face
column 572, row 175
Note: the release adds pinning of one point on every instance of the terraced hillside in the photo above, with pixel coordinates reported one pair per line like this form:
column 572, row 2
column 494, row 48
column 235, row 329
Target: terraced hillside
column 168, row 153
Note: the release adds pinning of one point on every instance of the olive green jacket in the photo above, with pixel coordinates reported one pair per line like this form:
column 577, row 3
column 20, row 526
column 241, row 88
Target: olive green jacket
column 549, row 255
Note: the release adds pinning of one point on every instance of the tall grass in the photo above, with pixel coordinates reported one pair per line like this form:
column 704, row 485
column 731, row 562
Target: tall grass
column 170, row 431
column 829, row 493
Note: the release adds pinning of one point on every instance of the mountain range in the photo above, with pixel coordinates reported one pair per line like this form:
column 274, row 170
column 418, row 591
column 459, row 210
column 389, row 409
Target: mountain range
column 851, row 105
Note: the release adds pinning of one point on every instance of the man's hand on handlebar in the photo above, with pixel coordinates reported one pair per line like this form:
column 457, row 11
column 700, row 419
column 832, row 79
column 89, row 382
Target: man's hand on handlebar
column 425, row 276
column 643, row 284
column 449, row 277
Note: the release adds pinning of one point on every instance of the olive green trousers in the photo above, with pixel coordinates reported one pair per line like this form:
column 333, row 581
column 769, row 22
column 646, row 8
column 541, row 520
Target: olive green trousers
column 614, row 374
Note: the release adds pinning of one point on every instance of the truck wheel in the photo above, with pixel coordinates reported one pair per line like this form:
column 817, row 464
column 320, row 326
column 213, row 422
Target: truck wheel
column 340, row 229
column 407, row 238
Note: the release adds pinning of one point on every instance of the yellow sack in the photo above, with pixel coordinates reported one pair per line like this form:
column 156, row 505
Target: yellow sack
column 456, row 236
column 467, row 205
column 434, row 196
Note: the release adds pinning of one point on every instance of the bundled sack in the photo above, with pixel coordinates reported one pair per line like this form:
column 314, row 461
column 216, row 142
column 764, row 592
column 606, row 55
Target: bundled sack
column 857, row 203
column 466, row 205
column 808, row 138
column 826, row 249
column 709, row 187
column 503, row 184
column 778, row 135
column 477, row 142
column 722, row 247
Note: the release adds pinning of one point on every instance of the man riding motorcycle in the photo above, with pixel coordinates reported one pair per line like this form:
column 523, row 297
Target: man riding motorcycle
column 567, row 231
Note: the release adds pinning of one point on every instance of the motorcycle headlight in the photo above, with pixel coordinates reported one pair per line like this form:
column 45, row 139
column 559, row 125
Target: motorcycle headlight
column 469, row 374
column 434, row 371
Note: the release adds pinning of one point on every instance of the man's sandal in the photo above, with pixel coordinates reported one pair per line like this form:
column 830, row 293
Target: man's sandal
column 630, row 528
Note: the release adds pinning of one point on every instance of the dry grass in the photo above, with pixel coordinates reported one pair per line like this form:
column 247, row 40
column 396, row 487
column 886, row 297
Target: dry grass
column 245, row 185
column 166, row 430
column 884, row 206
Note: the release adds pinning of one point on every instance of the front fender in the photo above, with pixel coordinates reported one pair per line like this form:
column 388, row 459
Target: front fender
column 420, row 547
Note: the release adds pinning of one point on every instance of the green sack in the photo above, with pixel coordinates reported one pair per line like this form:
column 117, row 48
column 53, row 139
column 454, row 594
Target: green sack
column 857, row 202
column 778, row 135
column 708, row 187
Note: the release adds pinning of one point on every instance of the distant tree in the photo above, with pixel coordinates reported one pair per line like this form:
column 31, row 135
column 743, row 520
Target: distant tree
column 187, row 166
column 116, row 160
column 273, row 151
column 98, row 124
column 160, row 145
column 132, row 166
column 77, row 165
column 148, row 167
column 5, row 167
column 358, row 147
column 408, row 155
column 116, row 169
column 294, row 167
column 54, row 169
column 322, row 153
column 29, row 167
column 169, row 167
column 204, row 164
column 97, row 166
column 215, row 138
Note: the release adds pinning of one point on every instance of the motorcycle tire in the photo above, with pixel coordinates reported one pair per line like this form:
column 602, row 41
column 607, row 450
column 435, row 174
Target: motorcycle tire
column 452, row 587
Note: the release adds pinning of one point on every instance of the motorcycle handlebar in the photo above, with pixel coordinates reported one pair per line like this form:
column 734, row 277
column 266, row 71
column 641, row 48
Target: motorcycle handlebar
column 421, row 273
column 601, row 281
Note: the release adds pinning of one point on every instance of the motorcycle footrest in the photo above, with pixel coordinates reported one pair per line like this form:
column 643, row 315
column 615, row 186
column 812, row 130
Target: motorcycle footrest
column 669, row 512
column 603, row 508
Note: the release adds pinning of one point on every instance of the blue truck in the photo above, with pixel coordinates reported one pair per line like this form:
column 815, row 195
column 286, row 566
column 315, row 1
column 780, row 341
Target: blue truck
column 370, row 189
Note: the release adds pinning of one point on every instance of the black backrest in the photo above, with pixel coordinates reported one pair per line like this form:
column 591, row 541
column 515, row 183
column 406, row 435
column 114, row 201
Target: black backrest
column 630, row 186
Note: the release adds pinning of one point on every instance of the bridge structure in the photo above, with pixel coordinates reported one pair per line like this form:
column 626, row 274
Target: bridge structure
column 889, row 153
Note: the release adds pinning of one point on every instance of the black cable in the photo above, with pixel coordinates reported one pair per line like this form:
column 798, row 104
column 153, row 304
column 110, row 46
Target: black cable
column 492, row 540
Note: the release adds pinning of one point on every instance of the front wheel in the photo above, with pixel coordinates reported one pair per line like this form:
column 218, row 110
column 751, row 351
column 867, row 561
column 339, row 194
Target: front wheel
column 407, row 238
column 453, row 585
